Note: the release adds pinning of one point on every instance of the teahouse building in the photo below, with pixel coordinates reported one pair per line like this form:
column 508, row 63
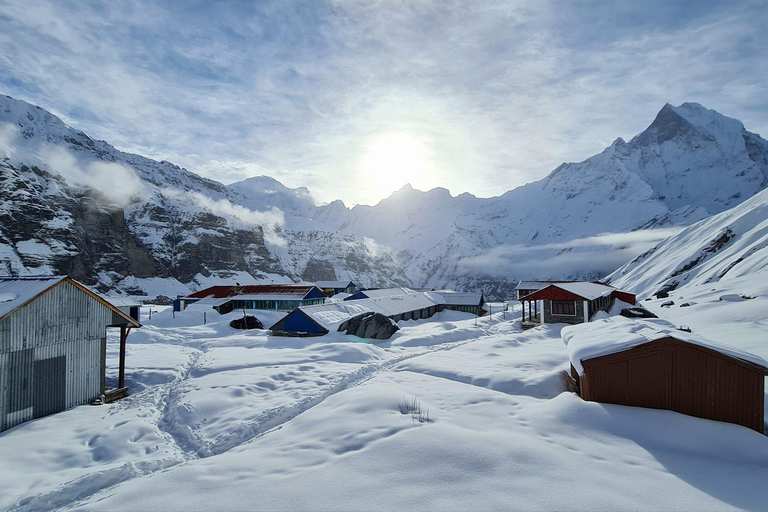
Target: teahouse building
column 276, row 297
column 571, row 302
column 467, row 302
column 53, row 346
column 645, row 364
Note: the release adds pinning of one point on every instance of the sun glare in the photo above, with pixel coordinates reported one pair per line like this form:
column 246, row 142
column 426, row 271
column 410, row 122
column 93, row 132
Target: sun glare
column 394, row 159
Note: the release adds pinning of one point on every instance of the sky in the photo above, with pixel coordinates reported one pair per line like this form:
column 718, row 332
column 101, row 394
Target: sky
column 354, row 98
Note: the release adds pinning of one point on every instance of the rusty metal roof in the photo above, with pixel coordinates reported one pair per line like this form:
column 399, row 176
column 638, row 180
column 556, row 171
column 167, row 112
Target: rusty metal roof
column 283, row 291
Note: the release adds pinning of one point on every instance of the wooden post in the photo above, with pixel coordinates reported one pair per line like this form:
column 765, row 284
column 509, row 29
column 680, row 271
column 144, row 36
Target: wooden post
column 123, row 338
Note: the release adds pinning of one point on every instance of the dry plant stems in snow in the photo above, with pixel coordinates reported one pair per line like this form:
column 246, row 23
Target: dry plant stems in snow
column 413, row 407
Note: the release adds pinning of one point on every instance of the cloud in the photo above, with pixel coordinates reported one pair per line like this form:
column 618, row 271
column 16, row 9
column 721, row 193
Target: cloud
column 502, row 91
column 116, row 182
column 8, row 134
column 271, row 221
column 596, row 255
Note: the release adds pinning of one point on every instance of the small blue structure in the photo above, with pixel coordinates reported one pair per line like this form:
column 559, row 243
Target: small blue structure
column 331, row 288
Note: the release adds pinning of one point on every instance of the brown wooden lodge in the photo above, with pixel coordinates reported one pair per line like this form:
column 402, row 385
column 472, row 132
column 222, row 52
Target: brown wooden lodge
column 678, row 372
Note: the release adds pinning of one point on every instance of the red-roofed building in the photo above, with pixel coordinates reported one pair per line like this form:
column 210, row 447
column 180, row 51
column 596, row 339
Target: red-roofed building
column 569, row 302
column 279, row 297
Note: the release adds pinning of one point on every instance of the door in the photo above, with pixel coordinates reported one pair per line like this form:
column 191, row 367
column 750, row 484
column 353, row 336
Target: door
column 50, row 392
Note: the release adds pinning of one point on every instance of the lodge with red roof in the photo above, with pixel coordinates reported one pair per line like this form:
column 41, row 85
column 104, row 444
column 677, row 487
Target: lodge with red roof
column 276, row 297
column 571, row 302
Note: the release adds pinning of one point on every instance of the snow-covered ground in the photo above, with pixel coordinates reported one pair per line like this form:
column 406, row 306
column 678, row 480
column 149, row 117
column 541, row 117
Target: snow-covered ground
column 451, row 413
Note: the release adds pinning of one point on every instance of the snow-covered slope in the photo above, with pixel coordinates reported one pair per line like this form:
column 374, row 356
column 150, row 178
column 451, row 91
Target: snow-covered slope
column 727, row 246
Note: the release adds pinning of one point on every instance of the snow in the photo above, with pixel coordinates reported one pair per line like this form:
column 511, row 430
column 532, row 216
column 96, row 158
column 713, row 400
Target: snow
column 230, row 420
column 599, row 213
column 588, row 291
column 15, row 292
column 221, row 419
column 34, row 247
column 617, row 334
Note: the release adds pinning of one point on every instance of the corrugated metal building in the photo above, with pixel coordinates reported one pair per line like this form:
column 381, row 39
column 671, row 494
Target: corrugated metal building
column 467, row 302
column 53, row 346
column 627, row 362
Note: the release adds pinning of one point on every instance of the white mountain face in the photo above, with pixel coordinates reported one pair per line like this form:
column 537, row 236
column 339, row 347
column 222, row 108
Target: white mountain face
column 581, row 221
column 124, row 222
column 729, row 246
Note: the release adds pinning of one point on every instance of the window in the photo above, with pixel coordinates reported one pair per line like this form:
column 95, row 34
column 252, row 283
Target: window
column 563, row 307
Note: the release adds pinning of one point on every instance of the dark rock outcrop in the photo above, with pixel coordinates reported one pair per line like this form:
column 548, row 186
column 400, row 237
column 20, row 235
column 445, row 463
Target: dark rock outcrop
column 370, row 325
column 637, row 313
column 247, row 322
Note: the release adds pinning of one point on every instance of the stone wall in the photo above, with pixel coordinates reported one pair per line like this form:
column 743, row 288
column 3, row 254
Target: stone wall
column 549, row 318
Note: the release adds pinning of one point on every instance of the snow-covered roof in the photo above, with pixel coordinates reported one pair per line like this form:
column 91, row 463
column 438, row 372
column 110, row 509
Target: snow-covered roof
column 333, row 314
column 121, row 302
column 211, row 302
column 584, row 289
column 387, row 292
column 532, row 285
column 333, row 284
column 617, row 334
column 452, row 298
column 284, row 291
column 17, row 291
column 589, row 291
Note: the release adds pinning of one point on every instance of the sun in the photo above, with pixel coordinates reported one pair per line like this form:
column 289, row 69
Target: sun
column 394, row 159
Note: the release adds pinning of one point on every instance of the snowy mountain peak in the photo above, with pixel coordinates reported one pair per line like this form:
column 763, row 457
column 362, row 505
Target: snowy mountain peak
column 693, row 121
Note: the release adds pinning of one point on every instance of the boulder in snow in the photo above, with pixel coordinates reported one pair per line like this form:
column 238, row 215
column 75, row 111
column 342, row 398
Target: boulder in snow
column 247, row 322
column 637, row 313
column 370, row 325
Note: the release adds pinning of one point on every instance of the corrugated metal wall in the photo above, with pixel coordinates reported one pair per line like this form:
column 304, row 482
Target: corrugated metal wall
column 670, row 374
column 55, row 340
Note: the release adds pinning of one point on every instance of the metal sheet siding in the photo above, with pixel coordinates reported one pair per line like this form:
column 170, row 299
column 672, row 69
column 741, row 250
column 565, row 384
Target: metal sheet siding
column 64, row 322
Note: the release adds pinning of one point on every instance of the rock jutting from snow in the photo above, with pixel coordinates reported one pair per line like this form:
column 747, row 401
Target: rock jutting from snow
column 246, row 322
column 370, row 325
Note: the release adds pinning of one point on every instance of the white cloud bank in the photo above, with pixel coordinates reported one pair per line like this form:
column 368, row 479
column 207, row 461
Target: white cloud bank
column 8, row 134
column 116, row 182
column 602, row 253
column 271, row 222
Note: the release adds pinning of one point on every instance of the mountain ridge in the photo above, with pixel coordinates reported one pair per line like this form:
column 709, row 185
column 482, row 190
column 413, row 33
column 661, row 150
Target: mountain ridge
column 688, row 164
